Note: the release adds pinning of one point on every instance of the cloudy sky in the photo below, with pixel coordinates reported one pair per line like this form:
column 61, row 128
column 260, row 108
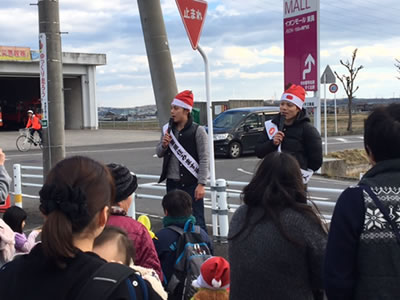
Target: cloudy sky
column 243, row 39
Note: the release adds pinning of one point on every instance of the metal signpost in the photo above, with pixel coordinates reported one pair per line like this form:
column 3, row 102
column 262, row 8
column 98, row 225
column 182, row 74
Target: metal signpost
column 333, row 88
column 193, row 13
column 301, row 47
column 327, row 77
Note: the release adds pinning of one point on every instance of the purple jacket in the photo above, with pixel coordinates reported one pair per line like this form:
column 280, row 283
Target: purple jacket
column 146, row 255
column 23, row 244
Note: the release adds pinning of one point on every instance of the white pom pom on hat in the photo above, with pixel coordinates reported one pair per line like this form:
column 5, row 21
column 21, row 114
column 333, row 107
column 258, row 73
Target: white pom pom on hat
column 215, row 274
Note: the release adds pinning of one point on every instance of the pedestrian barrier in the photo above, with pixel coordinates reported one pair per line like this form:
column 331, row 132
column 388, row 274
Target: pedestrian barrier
column 226, row 193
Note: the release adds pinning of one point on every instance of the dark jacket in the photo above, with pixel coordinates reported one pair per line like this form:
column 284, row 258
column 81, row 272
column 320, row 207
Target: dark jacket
column 164, row 242
column 265, row 265
column 302, row 140
column 34, row 277
column 146, row 255
column 363, row 256
column 187, row 138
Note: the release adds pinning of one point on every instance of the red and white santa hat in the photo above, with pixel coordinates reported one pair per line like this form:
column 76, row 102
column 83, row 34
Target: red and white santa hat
column 184, row 99
column 295, row 94
column 214, row 274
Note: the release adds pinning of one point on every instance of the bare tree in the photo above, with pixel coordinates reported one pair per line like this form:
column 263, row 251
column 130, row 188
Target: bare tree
column 348, row 84
column 397, row 65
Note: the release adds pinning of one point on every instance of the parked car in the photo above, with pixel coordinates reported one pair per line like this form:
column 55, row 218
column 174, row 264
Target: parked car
column 236, row 131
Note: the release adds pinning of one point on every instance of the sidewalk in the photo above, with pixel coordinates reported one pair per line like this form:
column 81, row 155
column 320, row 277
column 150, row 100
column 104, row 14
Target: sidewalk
column 89, row 137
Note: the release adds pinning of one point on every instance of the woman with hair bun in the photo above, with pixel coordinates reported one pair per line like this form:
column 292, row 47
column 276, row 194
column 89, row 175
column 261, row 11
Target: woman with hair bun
column 75, row 200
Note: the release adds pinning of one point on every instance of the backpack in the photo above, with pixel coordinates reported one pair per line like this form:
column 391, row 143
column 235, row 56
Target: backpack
column 106, row 279
column 191, row 252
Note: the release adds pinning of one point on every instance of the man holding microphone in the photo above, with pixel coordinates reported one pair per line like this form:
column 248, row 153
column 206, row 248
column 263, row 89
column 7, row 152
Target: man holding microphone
column 291, row 131
column 184, row 147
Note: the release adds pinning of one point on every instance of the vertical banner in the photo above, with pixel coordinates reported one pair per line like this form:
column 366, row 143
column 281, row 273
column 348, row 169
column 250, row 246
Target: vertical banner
column 43, row 79
column 301, row 57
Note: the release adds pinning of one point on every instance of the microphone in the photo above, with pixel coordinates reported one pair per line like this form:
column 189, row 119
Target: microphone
column 170, row 123
column 281, row 122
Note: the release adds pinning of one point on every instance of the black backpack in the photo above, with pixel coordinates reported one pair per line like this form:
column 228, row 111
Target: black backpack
column 191, row 252
column 107, row 278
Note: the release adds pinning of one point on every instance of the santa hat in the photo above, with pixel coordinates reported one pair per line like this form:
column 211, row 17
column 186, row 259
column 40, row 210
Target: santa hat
column 295, row 94
column 214, row 274
column 184, row 99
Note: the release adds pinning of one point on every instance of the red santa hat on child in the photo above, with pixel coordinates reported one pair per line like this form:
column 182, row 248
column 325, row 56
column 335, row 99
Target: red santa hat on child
column 295, row 94
column 214, row 274
column 184, row 99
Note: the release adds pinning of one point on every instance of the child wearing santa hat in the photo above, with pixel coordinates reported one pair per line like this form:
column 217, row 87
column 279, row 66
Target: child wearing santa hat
column 213, row 281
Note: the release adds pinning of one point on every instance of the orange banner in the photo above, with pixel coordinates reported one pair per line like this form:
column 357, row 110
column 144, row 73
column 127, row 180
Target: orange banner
column 15, row 53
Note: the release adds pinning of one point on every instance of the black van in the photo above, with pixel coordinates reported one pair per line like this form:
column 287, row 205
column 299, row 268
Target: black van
column 236, row 130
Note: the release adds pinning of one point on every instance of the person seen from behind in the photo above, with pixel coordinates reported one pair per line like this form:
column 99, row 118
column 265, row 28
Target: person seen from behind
column 363, row 251
column 276, row 239
column 15, row 217
column 177, row 206
column 5, row 179
column 75, row 201
column 114, row 245
column 34, row 124
column 213, row 281
column 125, row 185
column 291, row 132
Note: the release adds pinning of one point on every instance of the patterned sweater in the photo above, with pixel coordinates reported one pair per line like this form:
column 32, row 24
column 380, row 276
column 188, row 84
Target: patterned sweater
column 363, row 256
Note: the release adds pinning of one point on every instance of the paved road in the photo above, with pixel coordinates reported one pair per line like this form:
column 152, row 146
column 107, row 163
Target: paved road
column 140, row 158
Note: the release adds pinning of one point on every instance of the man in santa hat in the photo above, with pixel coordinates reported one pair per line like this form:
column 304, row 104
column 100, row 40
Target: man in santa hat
column 184, row 147
column 291, row 131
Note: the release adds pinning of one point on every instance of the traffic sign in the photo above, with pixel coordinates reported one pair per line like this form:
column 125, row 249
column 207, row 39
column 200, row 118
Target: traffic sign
column 328, row 76
column 193, row 14
column 301, row 59
column 333, row 88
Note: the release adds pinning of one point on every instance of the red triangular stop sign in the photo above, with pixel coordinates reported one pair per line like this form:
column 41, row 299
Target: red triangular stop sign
column 193, row 13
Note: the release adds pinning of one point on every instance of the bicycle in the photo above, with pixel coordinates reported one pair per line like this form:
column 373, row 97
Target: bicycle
column 25, row 140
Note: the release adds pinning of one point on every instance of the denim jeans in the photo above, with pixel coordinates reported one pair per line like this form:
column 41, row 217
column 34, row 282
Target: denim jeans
column 197, row 206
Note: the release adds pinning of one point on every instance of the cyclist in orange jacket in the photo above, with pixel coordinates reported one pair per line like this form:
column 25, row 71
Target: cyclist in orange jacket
column 34, row 124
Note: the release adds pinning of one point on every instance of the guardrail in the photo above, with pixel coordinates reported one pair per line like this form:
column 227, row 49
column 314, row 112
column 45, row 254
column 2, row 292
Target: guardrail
column 226, row 192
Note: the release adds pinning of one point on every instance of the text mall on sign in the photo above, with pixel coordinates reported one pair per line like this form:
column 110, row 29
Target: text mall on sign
column 192, row 14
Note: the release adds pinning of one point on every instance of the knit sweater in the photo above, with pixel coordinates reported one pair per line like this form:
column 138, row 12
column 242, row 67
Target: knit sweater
column 265, row 265
column 363, row 256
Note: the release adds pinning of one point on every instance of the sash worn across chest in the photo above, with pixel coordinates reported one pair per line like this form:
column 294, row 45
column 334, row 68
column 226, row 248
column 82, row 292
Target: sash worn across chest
column 182, row 155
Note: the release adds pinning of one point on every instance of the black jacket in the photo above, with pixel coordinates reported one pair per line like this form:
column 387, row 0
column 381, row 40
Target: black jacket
column 33, row 276
column 302, row 140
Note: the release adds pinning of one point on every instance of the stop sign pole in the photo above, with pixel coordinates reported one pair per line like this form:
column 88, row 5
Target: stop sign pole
column 193, row 13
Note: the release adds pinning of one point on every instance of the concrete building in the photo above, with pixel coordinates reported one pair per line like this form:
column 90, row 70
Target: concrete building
column 19, row 89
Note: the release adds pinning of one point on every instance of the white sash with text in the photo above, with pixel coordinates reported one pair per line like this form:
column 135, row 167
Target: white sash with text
column 182, row 155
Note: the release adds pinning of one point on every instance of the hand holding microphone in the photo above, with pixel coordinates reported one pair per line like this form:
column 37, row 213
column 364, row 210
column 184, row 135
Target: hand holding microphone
column 167, row 137
column 279, row 136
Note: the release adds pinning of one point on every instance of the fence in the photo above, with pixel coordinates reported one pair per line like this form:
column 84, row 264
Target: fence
column 226, row 192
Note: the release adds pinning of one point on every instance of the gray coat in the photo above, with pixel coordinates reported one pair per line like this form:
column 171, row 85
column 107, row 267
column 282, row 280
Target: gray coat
column 5, row 182
column 265, row 265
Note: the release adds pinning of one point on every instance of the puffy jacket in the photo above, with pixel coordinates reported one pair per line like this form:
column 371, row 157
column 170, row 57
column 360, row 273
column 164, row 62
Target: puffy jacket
column 302, row 140
column 146, row 255
column 34, row 122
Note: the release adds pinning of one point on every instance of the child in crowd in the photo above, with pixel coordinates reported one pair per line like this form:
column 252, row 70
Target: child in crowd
column 213, row 280
column 114, row 245
column 15, row 218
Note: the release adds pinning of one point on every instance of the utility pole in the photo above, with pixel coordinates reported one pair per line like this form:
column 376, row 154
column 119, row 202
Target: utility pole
column 52, row 93
column 159, row 57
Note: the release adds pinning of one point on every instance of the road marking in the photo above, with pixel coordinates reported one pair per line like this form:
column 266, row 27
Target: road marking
column 341, row 140
column 244, row 171
column 86, row 151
